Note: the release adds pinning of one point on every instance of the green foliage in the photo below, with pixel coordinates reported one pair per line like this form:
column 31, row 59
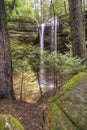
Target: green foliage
column 26, row 12
column 63, row 63
column 21, row 11
column 31, row 11
column 26, row 79
column 45, row 11
column 24, row 56
column 34, row 11
column 59, row 7
column 8, row 4
column 34, row 57
column 19, row 58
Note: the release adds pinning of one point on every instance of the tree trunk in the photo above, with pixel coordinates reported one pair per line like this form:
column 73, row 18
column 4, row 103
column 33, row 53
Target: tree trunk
column 77, row 29
column 41, row 92
column 6, row 86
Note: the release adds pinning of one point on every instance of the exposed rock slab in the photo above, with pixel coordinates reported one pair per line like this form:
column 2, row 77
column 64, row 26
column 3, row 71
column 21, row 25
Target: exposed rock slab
column 69, row 110
column 23, row 32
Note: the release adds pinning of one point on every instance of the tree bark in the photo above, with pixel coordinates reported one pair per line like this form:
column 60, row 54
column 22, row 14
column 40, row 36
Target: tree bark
column 77, row 29
column 6, row 85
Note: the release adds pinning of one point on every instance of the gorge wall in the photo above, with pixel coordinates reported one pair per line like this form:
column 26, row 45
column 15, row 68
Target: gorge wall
column 27, row 33
column 22, row 32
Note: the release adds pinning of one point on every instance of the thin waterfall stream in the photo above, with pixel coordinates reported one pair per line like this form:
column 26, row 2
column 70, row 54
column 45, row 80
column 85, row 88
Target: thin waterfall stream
column 42, row 70
column 47, row 78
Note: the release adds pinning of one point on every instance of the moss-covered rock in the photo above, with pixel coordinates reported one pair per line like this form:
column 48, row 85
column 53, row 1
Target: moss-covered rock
column 8, row 122
column 68, row 111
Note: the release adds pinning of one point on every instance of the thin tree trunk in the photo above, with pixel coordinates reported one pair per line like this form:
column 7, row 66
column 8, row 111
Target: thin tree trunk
column 40, row 89
column 6, row 84
column 65, row 7
column 21, row 91
column 13, row 4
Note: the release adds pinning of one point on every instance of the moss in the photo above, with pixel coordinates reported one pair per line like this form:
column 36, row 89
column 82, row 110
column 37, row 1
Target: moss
column 75, row 80
column 53, row 107
column 8, row 122
column 70, row 84
column 58, row 120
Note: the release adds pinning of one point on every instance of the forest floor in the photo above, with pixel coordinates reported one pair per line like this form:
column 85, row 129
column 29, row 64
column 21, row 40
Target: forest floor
column 33, row 116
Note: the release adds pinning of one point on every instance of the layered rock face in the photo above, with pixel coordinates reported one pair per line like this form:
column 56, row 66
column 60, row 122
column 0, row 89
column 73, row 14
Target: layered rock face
column 69, row 110
column 28, row 33
column 61, row 38
column 23, row 32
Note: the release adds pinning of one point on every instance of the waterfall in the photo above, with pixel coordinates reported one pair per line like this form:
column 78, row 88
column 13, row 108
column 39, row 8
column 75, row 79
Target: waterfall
column 42, row 71
column 52, row 36
column 47, row 79
column 54, row 44
column 54, row 28
column 42, row 37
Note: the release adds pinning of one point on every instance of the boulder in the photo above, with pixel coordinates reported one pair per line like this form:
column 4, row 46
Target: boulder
column 8, row 122
column 68, row 111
